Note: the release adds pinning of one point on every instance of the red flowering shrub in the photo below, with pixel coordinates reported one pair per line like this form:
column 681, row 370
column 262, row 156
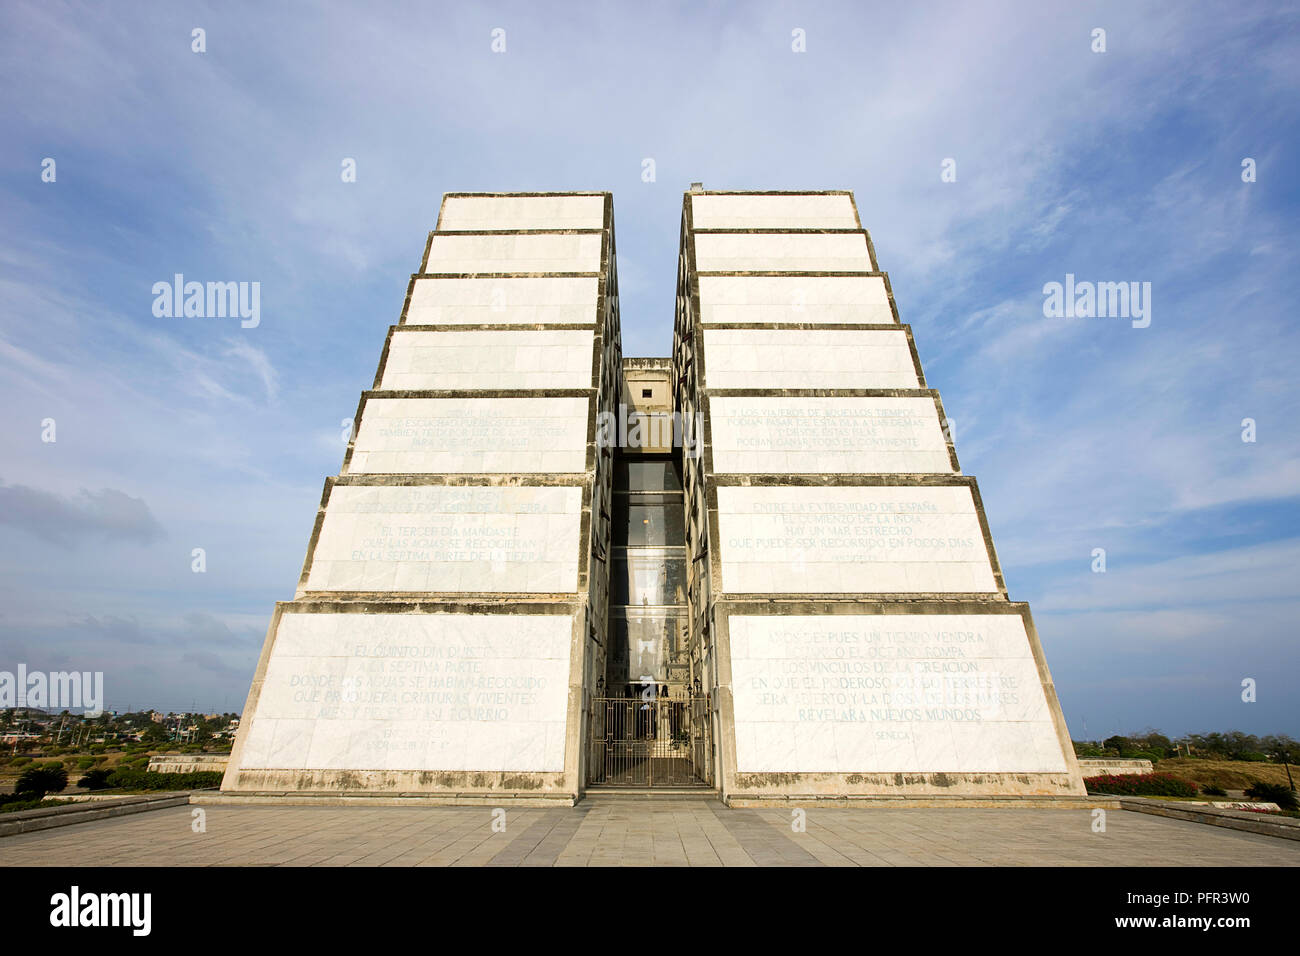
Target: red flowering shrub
column 1140, row 785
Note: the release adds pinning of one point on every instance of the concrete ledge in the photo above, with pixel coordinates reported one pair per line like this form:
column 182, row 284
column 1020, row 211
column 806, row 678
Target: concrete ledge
column 658, row 794
column 1288, row 828
column 922, row 802
column 520, row 798
column 45, row 818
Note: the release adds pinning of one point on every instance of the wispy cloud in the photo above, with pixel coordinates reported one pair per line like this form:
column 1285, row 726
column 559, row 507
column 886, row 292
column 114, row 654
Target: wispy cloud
column 107, row 513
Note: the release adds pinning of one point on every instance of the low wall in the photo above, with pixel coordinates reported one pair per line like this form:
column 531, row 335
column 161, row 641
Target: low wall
column 45, row 818
column 188, row 763
column 1096, row 766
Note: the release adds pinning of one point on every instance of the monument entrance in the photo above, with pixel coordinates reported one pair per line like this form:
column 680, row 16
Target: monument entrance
column 649, row 741
column 648, row 722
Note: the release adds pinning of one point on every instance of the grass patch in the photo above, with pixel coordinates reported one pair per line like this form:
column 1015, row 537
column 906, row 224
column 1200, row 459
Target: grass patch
column 1226, row 774
column 16, row 805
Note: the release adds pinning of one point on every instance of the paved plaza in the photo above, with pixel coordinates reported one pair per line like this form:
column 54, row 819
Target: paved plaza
column 624, row 831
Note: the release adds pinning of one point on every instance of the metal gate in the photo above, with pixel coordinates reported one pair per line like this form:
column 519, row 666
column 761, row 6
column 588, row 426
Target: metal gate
column 649, row 743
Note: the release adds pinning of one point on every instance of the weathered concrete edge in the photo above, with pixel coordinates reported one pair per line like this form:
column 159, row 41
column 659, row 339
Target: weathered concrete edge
column 893, row 802
column 452, row 799
column 1211, row 816
column 45, row 818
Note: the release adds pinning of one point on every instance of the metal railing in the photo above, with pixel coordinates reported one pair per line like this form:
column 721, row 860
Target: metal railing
column 649, row 743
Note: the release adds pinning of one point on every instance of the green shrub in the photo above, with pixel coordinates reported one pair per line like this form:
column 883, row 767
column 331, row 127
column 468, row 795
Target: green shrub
column 1140, row 785
column 40, row 780
column 19, row 761
column 1214, row 791
column 144, row 780
column 1278, row 793
column 85, row 763
column 95, row 779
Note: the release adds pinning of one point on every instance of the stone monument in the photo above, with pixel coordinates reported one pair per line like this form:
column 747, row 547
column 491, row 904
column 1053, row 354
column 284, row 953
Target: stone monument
column 796, row 599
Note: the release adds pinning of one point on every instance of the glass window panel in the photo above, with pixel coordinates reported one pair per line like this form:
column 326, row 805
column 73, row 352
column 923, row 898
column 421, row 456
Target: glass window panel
column 646, row 476
column 649, row 520
column 639, row 579
column 642, row 645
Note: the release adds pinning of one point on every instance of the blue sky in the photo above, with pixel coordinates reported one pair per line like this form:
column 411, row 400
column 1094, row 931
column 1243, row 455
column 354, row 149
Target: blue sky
column 174, row 434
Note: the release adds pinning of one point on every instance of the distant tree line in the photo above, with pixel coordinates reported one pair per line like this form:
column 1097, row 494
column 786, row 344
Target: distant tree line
column 1232, row 745
column 66, row 731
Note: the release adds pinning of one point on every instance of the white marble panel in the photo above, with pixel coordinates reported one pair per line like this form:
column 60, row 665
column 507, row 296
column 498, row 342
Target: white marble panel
column 447, row 539
column 889, row 693
column 773, row 212
column 807, row 435
column 852, row 539
column 460, row 213
column 808, row 358
column 828, row 299
column 782, row 252
column 450, row 692
column 471, row 435
column 488, row 359
column 515, row 301
column 450, row 252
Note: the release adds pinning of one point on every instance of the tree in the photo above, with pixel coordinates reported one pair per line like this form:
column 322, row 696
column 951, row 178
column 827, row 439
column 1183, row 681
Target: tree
column 40, row 779
column 1281, row 747
column 1154, row 741
column 154, row 733
column 95, row 779
column 1117, row 743
column 1278, row 793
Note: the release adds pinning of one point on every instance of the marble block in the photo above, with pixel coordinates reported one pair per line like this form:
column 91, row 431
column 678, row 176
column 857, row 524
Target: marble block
column 773, row 212
column 849, row 435
column 889, row 693
column 455, row 253
column 852, row 539
column 808, row 358
column 782, row 252
column 488, row 359
column 461, row 213
column 436, row 538
column 795, row 299
column 471, row 435
column 503, row 301
column 451, row 692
